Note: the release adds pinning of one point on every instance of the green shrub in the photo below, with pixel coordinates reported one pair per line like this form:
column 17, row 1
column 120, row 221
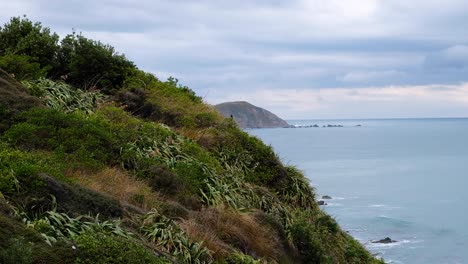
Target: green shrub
column 18, row 171
column 328, row 223
column 165, row 181
column 91, row 64
column 135, row 101
column 19, row 251
column 20, row 36
column 22, row 67
column 203, row 120
column 102, row 248
column 48, row 129
column 308, row 242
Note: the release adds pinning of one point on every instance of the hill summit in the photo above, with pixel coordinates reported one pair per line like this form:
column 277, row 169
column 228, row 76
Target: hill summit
column 250, row 116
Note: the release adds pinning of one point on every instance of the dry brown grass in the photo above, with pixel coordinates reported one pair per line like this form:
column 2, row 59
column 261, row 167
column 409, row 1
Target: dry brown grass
column 120, row 185
column 224, row 231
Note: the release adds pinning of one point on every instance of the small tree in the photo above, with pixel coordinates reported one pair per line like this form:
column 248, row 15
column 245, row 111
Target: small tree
column 22, row 37
column 87, row 63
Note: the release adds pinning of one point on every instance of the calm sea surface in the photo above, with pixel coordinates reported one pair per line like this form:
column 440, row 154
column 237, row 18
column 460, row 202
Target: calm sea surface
column 402, row 178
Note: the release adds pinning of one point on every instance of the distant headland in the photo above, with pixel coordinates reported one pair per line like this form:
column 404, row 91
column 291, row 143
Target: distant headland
column 250, row 116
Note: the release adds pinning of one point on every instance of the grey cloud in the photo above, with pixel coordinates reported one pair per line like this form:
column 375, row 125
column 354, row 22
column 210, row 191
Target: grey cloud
column 219, row 46
column 455, row 57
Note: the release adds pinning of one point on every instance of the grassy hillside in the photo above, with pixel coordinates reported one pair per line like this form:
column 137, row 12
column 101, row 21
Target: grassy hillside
column 101, row 162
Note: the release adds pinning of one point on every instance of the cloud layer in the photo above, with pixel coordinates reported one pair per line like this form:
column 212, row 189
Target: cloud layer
column 302, row 48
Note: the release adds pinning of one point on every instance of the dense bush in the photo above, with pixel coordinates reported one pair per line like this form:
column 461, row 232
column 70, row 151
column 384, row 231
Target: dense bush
column 87, row 64
column 18, row 170
column 48, row 129
column 19, row 251
column 307, row 241
column 20, row 36
column 22, row 67
column 101, row 248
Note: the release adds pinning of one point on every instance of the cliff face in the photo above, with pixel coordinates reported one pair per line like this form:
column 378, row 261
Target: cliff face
column 250, row 116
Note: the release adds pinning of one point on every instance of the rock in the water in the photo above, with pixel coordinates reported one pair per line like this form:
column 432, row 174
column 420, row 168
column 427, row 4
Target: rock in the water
column 386, row 240
column 321, row 202
column 326, row 197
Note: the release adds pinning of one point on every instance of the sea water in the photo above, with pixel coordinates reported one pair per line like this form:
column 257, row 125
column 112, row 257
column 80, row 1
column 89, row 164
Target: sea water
column 405, row 179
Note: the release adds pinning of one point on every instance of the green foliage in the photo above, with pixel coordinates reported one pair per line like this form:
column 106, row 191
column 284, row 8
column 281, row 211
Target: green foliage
column 267, row 169
column 230, row 189
column 239, row 257
column 18, row 170
column 164, row 180
column 48, row 129
column 328, row 223
column 63, row 97
column 86, row 63
column 308, row 242
column 103, row 248
column 19, row 251
column 207, row 119
column 168, row 236
column 22, row 66
column 297, row 190
column 54, row 226
column 20, row 36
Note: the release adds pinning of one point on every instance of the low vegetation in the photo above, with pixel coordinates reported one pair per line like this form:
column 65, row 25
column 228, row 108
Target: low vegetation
column 101, row 162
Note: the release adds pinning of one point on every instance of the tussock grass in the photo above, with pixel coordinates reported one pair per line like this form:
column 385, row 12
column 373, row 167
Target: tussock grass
column 225, row 231
column 120, row 185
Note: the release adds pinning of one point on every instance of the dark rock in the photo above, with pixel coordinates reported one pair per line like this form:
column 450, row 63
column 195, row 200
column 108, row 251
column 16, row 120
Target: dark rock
column 358, row 125
column 321, row 202
column 326, row 197
column 386, row 240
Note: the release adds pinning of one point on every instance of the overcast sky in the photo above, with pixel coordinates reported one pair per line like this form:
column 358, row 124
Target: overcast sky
column 297, row 58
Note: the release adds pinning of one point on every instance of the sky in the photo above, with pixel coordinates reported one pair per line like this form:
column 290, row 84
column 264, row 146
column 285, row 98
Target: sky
column 301, row 59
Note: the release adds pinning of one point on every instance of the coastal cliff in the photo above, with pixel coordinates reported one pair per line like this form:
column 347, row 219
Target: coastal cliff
column 126, row 168
column 250, row 116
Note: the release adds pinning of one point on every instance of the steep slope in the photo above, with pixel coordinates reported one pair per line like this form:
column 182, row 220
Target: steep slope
column 250, row 116
column 139, row 170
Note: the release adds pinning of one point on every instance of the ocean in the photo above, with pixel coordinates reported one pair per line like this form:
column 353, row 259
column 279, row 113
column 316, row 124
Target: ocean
column 406, row 179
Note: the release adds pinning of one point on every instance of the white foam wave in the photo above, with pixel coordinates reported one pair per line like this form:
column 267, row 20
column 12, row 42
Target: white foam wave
column 377, row 205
